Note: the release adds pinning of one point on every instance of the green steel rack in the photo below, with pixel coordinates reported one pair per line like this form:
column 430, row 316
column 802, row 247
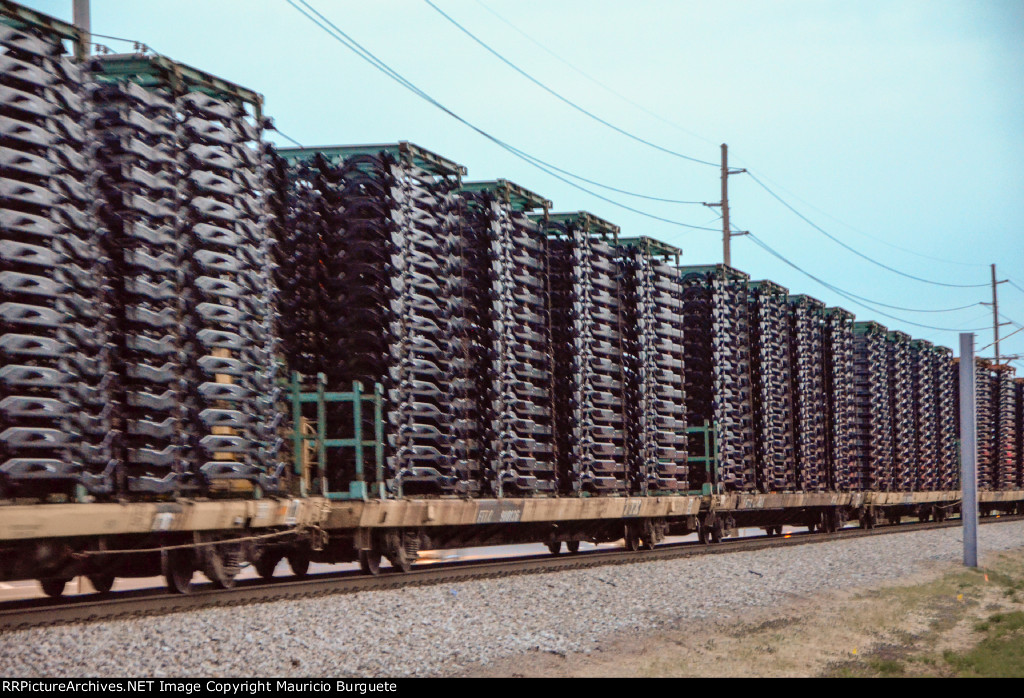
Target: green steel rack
column 652, row 247
column 708, row 434
column 153, row 71
column 402, row 151
column 358, row 397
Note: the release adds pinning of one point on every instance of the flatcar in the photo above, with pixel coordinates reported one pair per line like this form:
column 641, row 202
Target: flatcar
column 214, row 353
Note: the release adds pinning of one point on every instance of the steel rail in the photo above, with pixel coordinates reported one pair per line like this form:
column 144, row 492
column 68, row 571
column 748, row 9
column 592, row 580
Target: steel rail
column 90, row 608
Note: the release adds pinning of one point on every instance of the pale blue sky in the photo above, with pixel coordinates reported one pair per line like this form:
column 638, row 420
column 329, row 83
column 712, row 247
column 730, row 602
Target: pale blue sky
column 895, row 121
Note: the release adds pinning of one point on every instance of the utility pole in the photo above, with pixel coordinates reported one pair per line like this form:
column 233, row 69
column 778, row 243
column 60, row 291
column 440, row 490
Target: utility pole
column 727, row 233
column 995, row 312
column 83, row 21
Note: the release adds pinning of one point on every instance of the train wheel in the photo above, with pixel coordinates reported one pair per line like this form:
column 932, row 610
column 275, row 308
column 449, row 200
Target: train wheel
column 717, row 531
column 102, row 582
column 573, row 546
column 399, row 560
column 221, row 564
column 369, row 562
column 555, row 546
column 632, row 538
column 178, row 566
column 298, row 560
column 649, row 537
column 266, row 564
column 702, row 534
column 54, row 588
column 400, row 548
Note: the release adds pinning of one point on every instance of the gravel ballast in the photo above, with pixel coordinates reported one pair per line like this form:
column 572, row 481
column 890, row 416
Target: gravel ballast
column 424, row 631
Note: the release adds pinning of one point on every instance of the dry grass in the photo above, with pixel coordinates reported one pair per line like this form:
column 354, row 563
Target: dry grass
column 947, row 622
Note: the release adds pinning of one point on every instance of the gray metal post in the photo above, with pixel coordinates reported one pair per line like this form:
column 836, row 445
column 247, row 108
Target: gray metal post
column 968, row 450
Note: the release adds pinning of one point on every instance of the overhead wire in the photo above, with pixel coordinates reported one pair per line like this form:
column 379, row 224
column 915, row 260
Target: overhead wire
column 858, row 230
column 551, row 170
column 557, row 95
column 850, row 297
column 287, row 137
column 561, row 97
column 590, row 77
column 354, row 46
column 842, row 244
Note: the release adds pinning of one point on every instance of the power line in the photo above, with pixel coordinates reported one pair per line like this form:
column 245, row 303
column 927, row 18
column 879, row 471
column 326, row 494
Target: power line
column 971, row 321
column 842, row 244
column 354, row 46
column 287, row 137
column 366, row 55
column 850, row 296
column 647, row 111
column 866, row 234
column 591, row 78
column 1014, row 284
column 554, row 93
column 1010, row 320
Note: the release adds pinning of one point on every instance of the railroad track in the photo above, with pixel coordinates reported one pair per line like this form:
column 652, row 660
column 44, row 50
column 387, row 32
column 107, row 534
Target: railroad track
column 41, row 612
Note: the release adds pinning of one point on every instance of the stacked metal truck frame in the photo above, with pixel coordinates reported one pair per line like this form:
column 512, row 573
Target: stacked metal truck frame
column 55, row 364
column 161, row 265
column 655, row 377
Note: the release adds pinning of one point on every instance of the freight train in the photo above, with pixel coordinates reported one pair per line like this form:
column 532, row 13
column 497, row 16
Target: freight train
column 214, row 353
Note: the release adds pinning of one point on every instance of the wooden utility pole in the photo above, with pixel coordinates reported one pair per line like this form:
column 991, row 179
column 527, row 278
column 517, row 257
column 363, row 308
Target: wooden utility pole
column 83, row 21
column 995, row 312
column 727, row 233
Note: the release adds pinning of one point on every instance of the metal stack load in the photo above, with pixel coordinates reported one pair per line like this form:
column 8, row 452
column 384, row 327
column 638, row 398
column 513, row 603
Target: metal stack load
column 901, row 401
column 513, row 381
column 57, row 431
column 230, row 297
column 589, row 370
column 1006, row 445
column 840, row 405
column 137, row 161
column 337, row 246
column 465, row 304
column 987, row 422
column 926, row 416
column 872, row 445
column 655, row 402
column 194, row 299
column 389, row 289
column 948, row 464
column 772, row 387
column 807, row 362
column 717, row 366
column 304, row 220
